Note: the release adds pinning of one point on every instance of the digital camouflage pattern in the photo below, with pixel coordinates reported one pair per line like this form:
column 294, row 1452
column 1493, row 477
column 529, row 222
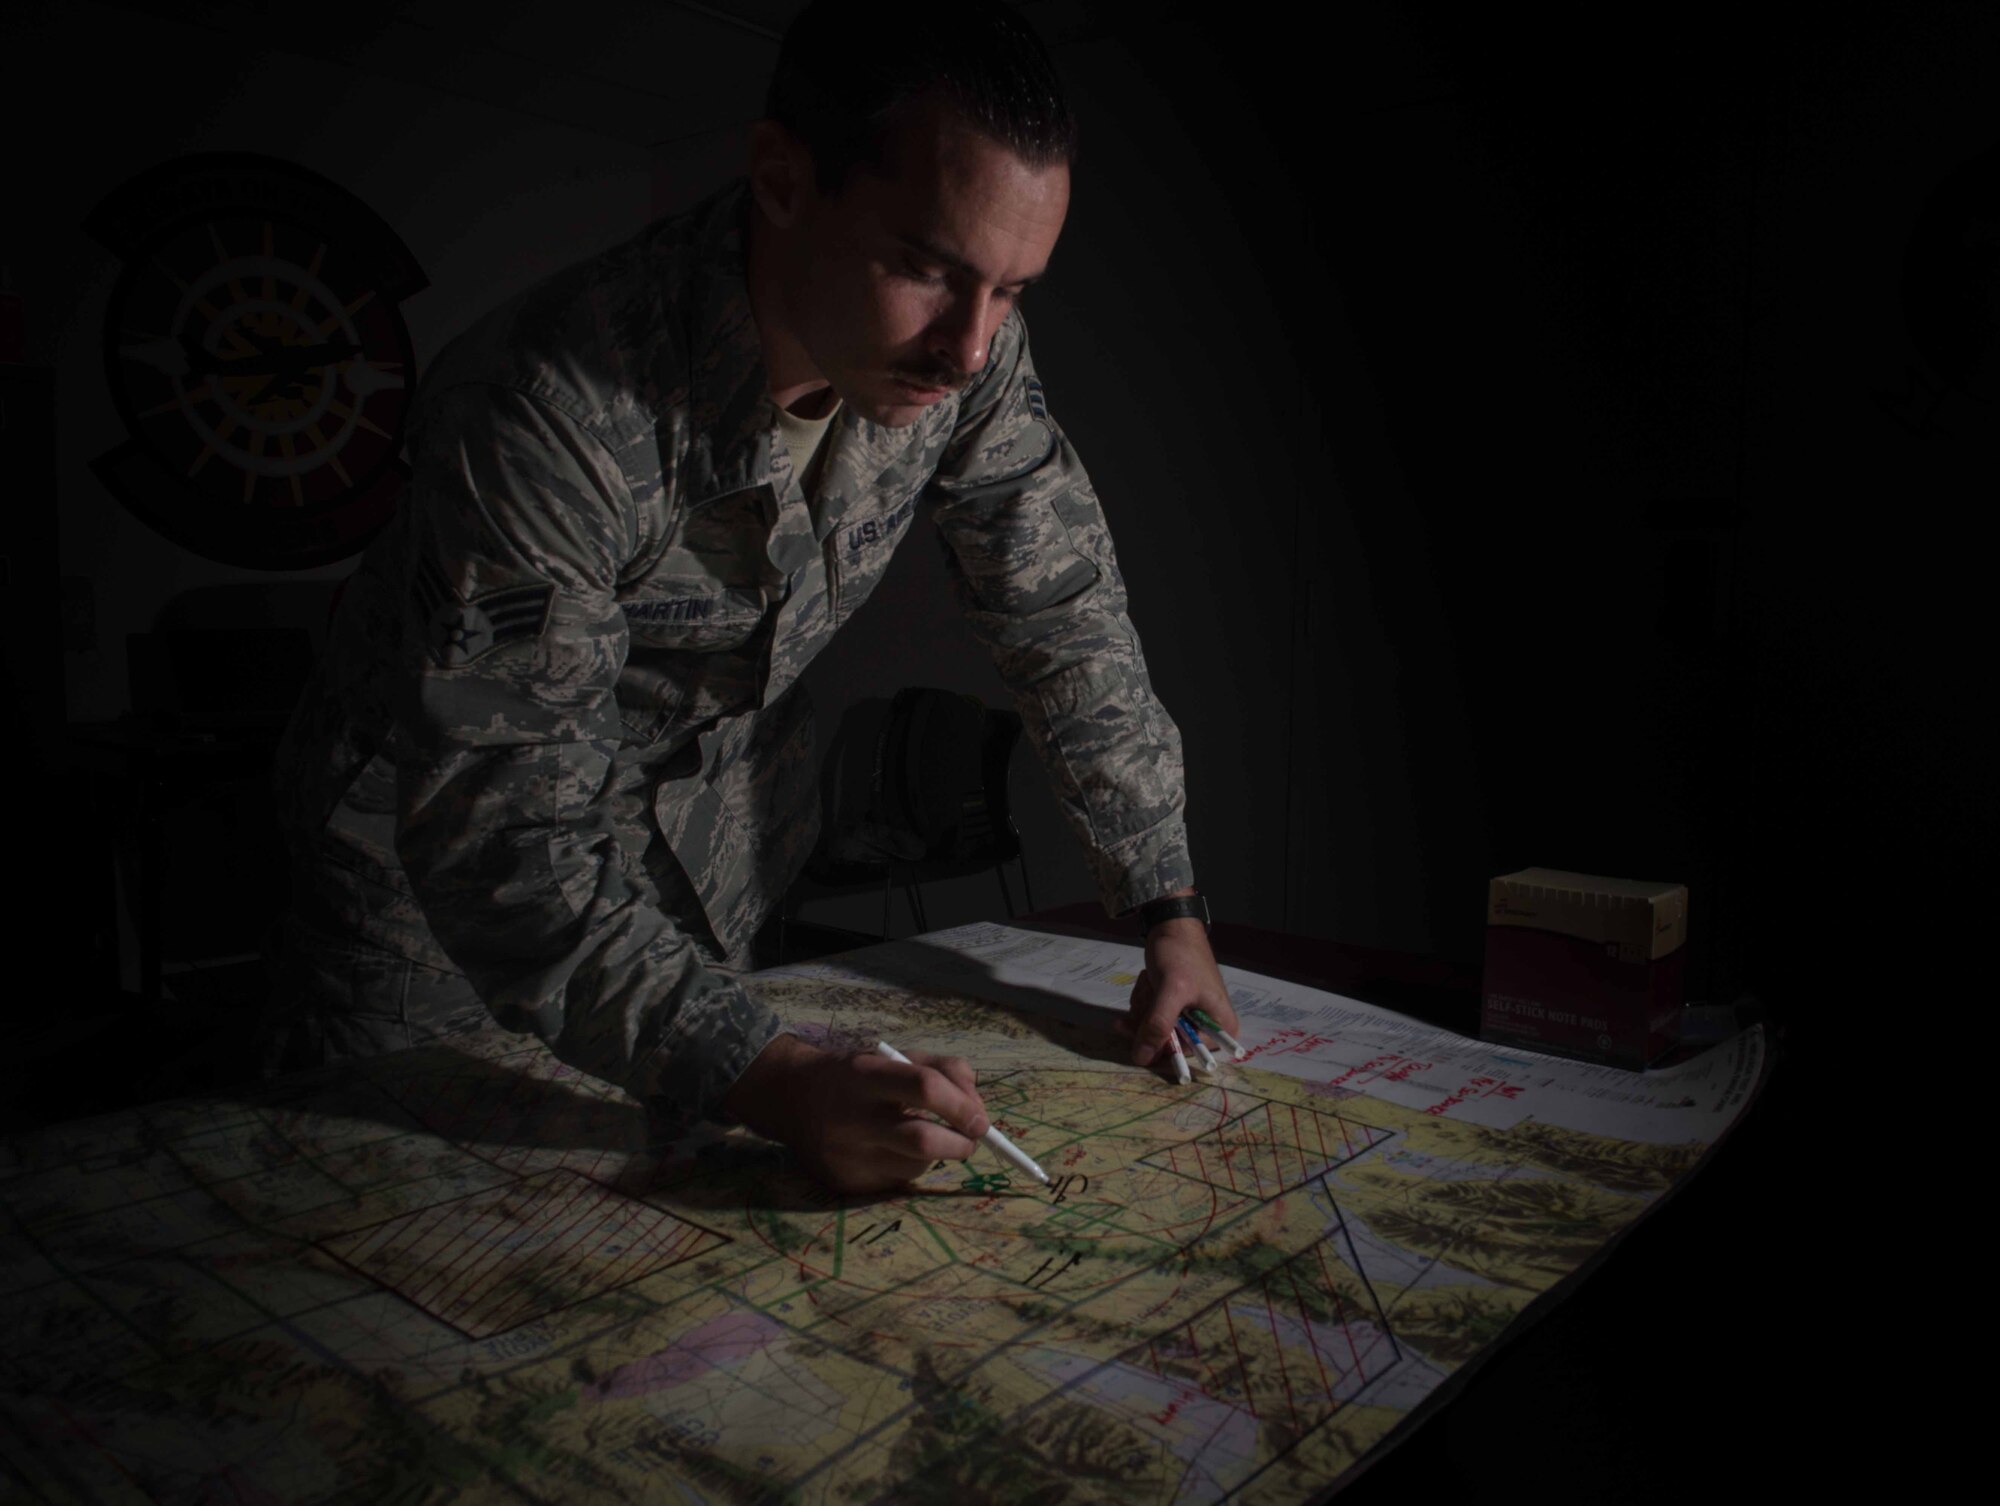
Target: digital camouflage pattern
column 555, row 743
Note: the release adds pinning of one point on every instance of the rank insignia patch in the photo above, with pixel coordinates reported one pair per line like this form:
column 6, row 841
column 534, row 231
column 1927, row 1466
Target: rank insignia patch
column 458, row 631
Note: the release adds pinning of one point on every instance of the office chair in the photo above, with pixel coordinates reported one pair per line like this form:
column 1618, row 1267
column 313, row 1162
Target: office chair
column 913, row 789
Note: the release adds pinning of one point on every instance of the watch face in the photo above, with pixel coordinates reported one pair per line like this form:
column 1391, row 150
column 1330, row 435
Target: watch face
column 256, row 353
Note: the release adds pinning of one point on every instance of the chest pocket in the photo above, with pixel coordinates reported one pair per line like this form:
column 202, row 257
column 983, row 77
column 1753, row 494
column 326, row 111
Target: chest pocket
column 704, row 592
column 693, row 652
column 859, row 551
column 696, row 616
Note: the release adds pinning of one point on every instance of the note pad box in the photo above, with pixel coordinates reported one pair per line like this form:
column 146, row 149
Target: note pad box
column 1584, row 966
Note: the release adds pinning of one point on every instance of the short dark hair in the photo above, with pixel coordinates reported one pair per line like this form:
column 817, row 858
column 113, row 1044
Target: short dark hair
column 847, row 70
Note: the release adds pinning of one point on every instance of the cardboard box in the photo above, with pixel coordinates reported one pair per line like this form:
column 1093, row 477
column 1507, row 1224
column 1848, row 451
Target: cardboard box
column 1578, row 965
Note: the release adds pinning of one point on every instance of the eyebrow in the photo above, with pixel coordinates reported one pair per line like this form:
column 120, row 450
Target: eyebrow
column 938, row 254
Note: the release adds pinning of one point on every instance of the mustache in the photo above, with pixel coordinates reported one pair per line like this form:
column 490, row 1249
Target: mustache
column 951, row 381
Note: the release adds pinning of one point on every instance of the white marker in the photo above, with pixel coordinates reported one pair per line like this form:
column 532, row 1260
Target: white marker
column 1180, row 1058
column 1202, row 1051
column 999, row 1142
column 1227, row 1039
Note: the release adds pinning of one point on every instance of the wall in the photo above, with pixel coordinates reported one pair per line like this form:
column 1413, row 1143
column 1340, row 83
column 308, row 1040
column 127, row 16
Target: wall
column 1871, row 810
column 1634, row 513
column 486, row 200
column 1511, row 461
column 1166, row 362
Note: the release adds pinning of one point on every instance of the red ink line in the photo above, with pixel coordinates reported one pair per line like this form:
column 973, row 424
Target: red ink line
column 653, row 1244
column 1249, row 1400
column 420, row 1231
column 1299, row 1144
column 465, row 1249
column 679, row 1237
column 606, row 1225
column 493, row 1267
column 471, row 1293
column 1227, row 1168
column 1279, row 1345
column 1305, row 1320
column 1250, row 1142
column 1209, row 1222
column 661, row 1249
column 1319, row 1129
column 557, row 1220
column 480, row 1277
column 704, row 1240
column 1156, row 1360
column 424, row 1295
column 380, row 1243
column 680, row 1241
column 621, row 1222
column 1345, row 1137
column 1215, row 1384
column 662, row 1244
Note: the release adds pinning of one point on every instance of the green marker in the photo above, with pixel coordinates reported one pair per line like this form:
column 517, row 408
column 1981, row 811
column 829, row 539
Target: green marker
column 1227, row 1039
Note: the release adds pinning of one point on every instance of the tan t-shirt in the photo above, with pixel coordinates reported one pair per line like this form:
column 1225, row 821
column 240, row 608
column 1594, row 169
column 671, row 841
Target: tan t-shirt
column 806, row 438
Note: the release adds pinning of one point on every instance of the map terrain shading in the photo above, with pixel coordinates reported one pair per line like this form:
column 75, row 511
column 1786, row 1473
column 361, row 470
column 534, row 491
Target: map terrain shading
column 467, row 1272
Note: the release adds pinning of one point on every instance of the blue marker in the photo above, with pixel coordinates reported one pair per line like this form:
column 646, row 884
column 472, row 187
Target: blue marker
column 1207, row 1061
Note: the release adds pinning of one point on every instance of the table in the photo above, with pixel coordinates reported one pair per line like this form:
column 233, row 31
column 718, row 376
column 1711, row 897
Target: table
column 1587, row 1405
column 466, row 1269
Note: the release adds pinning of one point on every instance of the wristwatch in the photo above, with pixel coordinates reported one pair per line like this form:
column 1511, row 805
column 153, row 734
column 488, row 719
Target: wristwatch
column 1173, row 907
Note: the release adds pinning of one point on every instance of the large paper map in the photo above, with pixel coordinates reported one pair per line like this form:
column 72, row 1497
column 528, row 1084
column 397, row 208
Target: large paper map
column 467, row 1272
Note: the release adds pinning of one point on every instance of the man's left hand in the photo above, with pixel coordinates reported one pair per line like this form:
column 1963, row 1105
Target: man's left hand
column 1180, row 975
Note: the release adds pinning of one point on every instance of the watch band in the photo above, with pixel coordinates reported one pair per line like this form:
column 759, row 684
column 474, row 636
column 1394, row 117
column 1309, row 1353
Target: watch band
column 1173, row 907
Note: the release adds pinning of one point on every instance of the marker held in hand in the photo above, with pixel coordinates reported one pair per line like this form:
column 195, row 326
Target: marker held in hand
column 1006, row 1148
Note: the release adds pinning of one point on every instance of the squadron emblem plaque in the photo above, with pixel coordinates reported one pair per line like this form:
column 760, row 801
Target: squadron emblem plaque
column 256, row 352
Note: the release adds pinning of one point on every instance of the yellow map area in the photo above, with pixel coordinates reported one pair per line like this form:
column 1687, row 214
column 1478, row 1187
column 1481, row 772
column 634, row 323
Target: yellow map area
column 470, row 1273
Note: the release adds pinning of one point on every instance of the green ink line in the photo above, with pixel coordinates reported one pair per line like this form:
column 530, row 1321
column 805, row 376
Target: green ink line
column 949, row 1253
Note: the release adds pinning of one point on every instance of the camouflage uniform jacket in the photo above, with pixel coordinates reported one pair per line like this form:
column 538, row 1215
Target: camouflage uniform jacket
column 551, row 719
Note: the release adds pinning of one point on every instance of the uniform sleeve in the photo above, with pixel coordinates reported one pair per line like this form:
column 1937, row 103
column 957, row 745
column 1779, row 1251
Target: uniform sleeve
column 521, row 840
column 1032, row 561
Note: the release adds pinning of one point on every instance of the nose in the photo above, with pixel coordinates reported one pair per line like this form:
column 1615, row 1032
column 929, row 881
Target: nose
column 961, row 336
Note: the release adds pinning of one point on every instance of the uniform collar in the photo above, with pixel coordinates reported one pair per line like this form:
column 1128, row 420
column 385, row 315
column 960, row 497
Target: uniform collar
column 734, row 438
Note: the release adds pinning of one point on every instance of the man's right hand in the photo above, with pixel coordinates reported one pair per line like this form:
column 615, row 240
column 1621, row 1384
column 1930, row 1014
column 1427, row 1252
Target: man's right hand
column 856, row 1120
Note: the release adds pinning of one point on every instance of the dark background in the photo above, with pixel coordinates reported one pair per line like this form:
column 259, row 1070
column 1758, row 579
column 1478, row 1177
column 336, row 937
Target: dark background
column 1518, row 439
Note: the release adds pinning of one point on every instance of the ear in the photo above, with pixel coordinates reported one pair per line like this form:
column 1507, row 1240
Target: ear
column 780, row 173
